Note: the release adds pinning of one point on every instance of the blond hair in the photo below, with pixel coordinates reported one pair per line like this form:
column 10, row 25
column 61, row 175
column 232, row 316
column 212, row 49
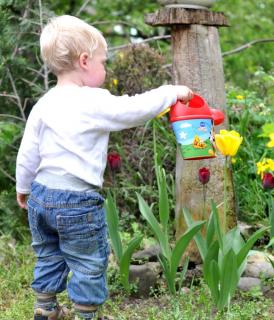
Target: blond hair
column 64, row 38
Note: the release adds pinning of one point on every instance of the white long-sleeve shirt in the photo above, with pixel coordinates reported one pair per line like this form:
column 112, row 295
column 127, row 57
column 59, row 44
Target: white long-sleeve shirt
column 67, row 131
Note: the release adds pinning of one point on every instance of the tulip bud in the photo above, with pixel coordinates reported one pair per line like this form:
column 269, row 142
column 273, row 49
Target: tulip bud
column 204, row 175
column 114, row 161
column 268, row 181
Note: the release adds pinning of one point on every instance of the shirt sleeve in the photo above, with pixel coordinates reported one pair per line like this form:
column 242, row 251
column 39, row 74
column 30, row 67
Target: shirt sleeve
column 28, row 158
column 122, row 112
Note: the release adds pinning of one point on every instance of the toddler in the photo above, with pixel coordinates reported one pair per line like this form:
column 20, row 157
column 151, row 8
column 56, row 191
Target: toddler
column 61, row 161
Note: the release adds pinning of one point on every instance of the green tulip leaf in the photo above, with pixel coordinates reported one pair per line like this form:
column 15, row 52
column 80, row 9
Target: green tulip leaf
column 234, row 240
column 271, row 243
column 212, row 255
column 229, row 279
column 217, row 224
column 166, row 269
column 163, row 199
column 213, row 280
column 125, row 260
column 271, row 217
column 200, row 242
column 155, row 226
column 181, row 245
column 249, row 244
column 113, row 226
column 210, row 230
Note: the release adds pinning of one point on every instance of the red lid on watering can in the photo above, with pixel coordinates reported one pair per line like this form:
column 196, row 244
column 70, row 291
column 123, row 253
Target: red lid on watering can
column 196, row 108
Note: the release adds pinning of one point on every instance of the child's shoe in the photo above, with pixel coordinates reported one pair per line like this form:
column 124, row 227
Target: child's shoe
column 60, row 312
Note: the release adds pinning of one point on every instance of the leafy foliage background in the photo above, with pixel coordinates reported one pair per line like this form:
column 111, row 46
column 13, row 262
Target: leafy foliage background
column 23, row 79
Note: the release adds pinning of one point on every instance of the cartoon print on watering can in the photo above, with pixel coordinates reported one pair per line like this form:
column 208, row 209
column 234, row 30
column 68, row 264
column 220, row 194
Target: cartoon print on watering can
column 193, row 125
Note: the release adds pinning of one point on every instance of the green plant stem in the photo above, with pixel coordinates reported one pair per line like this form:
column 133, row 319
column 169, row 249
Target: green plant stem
column 225, row 192
column 204, row 202
column 271, row 213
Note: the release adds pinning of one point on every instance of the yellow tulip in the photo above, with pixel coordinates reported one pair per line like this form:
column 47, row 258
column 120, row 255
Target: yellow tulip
column 270, row 144
column 264, row 166
column 115, row 82
column 239, row 97
column 228, row 142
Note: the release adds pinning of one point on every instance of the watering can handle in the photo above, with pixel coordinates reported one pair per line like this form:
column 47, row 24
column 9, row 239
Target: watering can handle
column 163, row 113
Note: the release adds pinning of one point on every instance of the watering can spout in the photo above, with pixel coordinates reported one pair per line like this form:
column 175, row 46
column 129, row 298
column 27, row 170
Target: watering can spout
column 218, row 116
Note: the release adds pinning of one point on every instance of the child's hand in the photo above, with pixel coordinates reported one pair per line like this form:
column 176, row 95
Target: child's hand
column 184, row 93
column 22, row 200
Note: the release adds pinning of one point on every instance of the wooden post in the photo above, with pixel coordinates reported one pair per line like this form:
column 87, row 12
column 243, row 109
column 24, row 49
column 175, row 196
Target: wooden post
column 197, row 63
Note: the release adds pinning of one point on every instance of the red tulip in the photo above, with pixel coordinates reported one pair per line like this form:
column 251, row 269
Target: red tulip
column 114, row 161
column 204, row 175
column 268, row 181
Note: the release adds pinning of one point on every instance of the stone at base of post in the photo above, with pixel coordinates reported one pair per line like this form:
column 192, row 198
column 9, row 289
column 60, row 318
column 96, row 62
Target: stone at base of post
column 197, row 63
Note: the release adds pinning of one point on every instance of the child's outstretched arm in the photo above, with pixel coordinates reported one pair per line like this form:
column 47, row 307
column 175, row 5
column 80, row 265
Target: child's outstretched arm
column 122, row 112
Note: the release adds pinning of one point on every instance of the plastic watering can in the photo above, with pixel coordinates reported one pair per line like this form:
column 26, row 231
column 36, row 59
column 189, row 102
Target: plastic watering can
column 193, row 125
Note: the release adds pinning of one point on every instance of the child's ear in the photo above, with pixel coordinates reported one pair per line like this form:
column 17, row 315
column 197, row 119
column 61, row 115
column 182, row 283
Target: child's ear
column 83, row 60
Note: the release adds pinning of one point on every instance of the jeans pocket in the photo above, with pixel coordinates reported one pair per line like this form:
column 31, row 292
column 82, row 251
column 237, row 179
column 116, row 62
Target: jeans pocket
column 34, row 225
column 78, row 233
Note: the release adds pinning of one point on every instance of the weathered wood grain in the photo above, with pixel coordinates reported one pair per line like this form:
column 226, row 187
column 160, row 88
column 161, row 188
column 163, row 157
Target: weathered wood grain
column 175, row 16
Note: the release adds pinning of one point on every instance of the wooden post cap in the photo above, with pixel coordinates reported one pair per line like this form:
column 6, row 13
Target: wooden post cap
column 179, row 16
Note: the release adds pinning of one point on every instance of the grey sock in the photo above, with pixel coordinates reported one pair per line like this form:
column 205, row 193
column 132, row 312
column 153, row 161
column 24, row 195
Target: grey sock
column 45, row 301
column 85, row 314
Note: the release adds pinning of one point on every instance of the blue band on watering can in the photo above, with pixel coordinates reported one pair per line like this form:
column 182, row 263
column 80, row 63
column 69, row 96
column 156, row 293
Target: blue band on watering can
column 195, row 138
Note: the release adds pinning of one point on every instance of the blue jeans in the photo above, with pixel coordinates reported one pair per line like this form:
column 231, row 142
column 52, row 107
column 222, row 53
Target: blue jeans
column 69, row 233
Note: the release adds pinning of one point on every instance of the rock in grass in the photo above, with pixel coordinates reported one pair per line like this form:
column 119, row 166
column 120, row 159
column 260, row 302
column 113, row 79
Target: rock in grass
column 259, row 266
column 148, row 254
column 146, row 276
column 248, row 283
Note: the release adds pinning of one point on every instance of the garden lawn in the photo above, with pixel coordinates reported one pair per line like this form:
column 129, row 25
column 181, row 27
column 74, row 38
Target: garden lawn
column 16, row 297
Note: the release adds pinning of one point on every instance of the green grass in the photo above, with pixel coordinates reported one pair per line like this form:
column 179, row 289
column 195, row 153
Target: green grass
column 16, row 297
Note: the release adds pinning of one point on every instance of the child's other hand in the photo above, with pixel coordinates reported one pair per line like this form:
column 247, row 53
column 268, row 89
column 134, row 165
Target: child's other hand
column 184, row 93
column 22, row 200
